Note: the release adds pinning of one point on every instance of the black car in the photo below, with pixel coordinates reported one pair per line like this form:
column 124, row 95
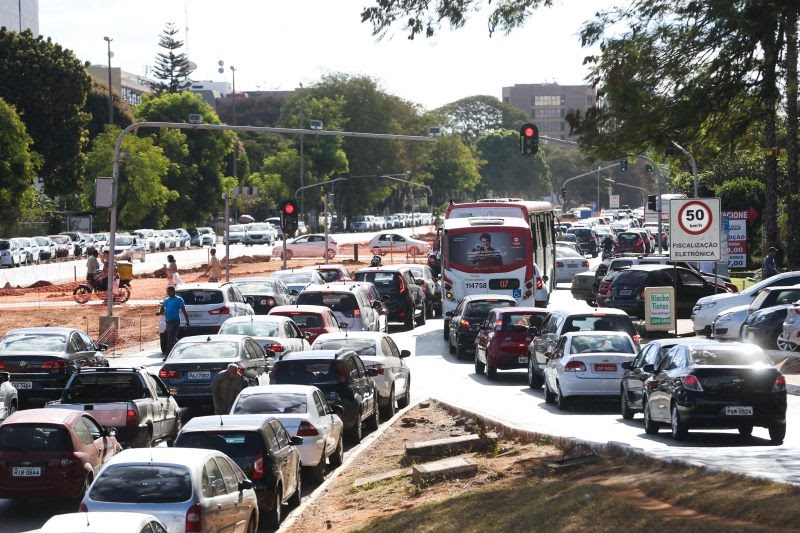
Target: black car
column 433, row 298
column 767, row 313
column 264, row 293
column 627, row 289
column 262, row 448
column 401, row 293
column 462, row 324
column 342, row 377
column 634, row 375
column 715, row 385
column 41, row 360
column 588, row 241
column 190, row 368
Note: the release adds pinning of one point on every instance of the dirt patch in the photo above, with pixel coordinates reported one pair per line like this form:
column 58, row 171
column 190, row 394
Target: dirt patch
column 517, row 487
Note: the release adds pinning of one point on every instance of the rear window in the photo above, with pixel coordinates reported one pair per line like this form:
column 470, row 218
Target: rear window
column 344, row 303
column 235, row 444
column 331, row 274
column 34, row 438
column 581, row 233
column 382, row 280
column 143, row 484
column 712, row 356
column 306, row 320
column 201, row 296
column 92, row 388
column 521, row 321
column 22, row 342
column 481, row 308
column 635, row 278
column 304, row 372
column 204, row 350
column 628, row 236
column 253, row 328
column 599, row 323
column 279, row 403
column 257, row 287
column 295, row 277
column 5, row 245
column 360, row 346
column 601, row 344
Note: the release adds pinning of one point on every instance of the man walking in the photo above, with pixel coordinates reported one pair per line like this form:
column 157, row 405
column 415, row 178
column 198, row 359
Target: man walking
column 171, row 307
column 770, row 268
column 226, row 387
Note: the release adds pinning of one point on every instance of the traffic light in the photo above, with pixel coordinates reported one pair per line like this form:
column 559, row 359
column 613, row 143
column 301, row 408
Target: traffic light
column 529, row 139
column 289, row 214
column 651, row 202
column 623, row 165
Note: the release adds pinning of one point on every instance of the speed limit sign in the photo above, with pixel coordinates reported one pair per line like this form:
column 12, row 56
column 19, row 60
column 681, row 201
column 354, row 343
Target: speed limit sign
column 695, row 229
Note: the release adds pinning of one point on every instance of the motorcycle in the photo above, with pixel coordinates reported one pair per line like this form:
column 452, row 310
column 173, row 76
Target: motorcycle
column 608, row 253
column 121, row 286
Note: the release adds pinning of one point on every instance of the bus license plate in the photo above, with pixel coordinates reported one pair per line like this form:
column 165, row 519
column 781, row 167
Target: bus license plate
column 475, row 284
column 739, row 410
column 199, row 375
column 26, row 471
column 22, row 385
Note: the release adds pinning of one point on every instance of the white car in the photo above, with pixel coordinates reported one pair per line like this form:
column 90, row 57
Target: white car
column 384, row 243
column 103, row 522
column 10, row 253
column 312, row 245
column 588, row 364
column 708, row 307
column 569, row 263
column 304, row 412
column 728, row 324
column 376, row 350
column 272, row 332
column 47, row 248
column 260, row 233
column 29, row 250
column 208, row 305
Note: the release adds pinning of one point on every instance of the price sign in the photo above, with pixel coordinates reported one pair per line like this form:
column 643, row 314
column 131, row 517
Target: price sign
column 695, row 230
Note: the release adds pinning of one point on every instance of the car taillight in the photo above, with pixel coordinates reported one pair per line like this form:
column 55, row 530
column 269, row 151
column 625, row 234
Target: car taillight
column 171, row 374
column 539, row 283
column 221, row 311
column 258, row 466
column 559, row 264
column 641, row 294
column 341, row 372
column 731, row 287
column 465, row 323
column 306, row 429
column 639, row 242
column 2, row 365
column 380, row 368
column 275, row 347
column 636, row 339
column 82, row 508
column 691, row 382
column 57, row 364
column 194, row 519
column 357, row 313
column 131, row 418
column 585, row 264
column 780, row 384
column 575, row 366
column 402, row 284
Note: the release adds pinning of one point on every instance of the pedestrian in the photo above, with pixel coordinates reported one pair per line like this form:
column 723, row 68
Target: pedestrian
column 227, row 385
column 92, row 266
column 173, row 277
column 171, row 307
column 770, row 268
column 214, row 271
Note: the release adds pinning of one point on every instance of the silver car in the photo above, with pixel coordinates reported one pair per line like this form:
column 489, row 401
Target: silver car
column 8, row 396
column 187, row 489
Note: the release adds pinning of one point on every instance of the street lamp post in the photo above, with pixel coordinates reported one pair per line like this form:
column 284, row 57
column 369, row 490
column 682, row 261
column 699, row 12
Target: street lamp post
column 221, row 70
column 110, row 99
column 694, row 164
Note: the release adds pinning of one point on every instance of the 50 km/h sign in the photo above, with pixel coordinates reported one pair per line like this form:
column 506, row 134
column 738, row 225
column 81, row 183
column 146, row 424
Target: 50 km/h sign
column 694, row 230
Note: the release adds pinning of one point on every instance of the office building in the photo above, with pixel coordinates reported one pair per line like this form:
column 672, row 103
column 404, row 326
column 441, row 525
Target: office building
column 547, row 105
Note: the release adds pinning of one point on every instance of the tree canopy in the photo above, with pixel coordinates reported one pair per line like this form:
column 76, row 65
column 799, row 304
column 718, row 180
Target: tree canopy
column 172, row 68
column 17, row 165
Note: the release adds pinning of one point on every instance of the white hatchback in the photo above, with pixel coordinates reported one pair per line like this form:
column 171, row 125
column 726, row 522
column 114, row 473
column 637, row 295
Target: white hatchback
column 209, row 305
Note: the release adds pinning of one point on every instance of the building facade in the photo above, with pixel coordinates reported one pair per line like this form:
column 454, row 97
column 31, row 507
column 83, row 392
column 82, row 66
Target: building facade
column 547, row 105
column 20, row 15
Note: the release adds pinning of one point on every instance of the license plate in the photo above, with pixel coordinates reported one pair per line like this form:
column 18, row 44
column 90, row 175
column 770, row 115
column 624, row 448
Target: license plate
column 22, row 385
column 739, row 411
column 194, row 315
column 605, row 367
column 476, row 284
column 198, row 375
column 522, row 360
column 625, row 292
column 26, row 471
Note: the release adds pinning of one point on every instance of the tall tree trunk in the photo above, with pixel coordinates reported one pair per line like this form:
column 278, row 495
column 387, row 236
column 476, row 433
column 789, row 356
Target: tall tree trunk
column 769, row 92
column 792, row 254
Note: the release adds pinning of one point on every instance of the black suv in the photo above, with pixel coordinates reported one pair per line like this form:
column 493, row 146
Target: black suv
column 588, row 241
column 401, row 293
column 342, row 377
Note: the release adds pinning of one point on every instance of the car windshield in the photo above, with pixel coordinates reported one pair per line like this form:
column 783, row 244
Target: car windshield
column 601, row 344
column 305, row 372
column 724, row 356
column 306, row 320
column 236, row 229
column 204, row 350
column 294, row 277
column 34, row 438
column 29, row 342
column 260, row 328
column 481, row 308
column 41, row 241
column 150, row 483
column 123, row 240
column 257, row 287
column 270, row 403
column 564, row 252
column 60, row 239
column 5, row 245
column 360, row 346
column 259, row 227
column 201, row 296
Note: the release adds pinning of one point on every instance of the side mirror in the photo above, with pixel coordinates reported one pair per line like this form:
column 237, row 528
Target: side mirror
column 449, row 313
column 649, row 368
column 101, row 347
column 475, row 327
column 269, row 353
column 296, row 441
column 627, row 365
column 294, row 292
column 338, row 410
column 307, row 335
column 420, row 282
column 377, row 304
column 405, row 353
column 246, row 484
column 372, row 372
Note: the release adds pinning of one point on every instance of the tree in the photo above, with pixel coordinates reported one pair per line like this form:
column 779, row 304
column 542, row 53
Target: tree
column 172, row 69
column 452, row 169
column 17, row 165
column 142, row 195
column 506, row 172
column 54, row 115
column 97, row 108
column 475, row 115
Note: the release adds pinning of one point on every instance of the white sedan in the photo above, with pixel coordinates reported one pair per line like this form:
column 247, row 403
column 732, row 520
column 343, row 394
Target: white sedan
column 384, row 243
column 312, row 245
column 304, row 412
column 100, row 522
column 272, row 332
column 728, row 324
column 376, row 350
column 588, row 364
column 569, row 263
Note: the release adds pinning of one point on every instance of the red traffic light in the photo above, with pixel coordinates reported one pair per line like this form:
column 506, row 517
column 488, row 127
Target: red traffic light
column 289, row 208
column 528, row 132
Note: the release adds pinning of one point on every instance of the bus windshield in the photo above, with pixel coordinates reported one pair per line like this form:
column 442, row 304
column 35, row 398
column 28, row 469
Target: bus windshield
column 487, row 250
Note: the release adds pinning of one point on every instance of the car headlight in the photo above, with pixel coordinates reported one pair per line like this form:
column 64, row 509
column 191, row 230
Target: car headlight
column 724, row 316
column 759, row 318
column 708, row 305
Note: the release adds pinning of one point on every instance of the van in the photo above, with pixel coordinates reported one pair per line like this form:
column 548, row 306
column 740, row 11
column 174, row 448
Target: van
column 350, row 304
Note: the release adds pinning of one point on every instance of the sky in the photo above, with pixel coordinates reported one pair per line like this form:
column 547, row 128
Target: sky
column 279, row 44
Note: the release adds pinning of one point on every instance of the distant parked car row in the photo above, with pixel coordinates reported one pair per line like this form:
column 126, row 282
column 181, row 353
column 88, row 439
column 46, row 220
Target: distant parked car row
column 398, row 220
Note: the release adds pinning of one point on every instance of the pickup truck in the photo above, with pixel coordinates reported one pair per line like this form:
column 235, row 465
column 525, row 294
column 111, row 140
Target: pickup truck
column 134, row 402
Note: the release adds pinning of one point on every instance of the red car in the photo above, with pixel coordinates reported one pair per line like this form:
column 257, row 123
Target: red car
column 313, row 320
column 630, row 242
column 504, row 336
column 52, row 453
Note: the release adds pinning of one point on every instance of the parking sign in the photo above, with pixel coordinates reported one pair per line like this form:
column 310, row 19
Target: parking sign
column 694, row 225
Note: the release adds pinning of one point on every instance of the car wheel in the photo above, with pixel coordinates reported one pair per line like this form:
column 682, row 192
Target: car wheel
column 337, row 457
column 679, row 429
column 562, row 402
column 421, row 320
column 535, row 380
column 388, row 411
column 549, row 396
column 402, row 404
column 316, row 473
column 413, row 251
column 409, row 320
column 297, row 495
column 275, row 514
column 447, row 330
column 178, row 427
column 375, row 418
column 746, row 430
column 479, row 365
column 491, row 370
column 356, row 433
column 624, row 407
column 331, row 253
column 459, row 350
column 85, row 487
column 777, row 432
column 786, row 346
column 650, row 427
column 12, row 408
column 429, row 311
column 252, row 523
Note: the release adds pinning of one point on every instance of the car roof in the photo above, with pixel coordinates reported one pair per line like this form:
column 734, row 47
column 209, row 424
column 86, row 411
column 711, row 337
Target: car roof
column 389, row 268
column 42, row 415
column 188, row 457
column 277, row 389
column 198, row 285
column 302, row 308
column 520, row 309
column 254, row 279
column 473, row 297
column 593, row 311
column 681, row 341
column 375, row 335
column 315, row 354
column 249, row 422
column 97, row 521
column 257, row 318
column 211, row 338
column 651, row 267
column 595, row 333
